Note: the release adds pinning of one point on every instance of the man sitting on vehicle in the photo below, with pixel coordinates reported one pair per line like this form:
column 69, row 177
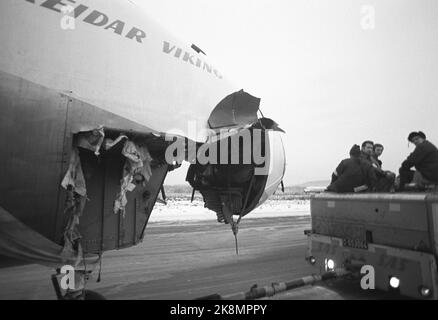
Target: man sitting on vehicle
column 353, row 174
column 377, row 152
column 424, row 159
column 385, row 179
column 367, row 150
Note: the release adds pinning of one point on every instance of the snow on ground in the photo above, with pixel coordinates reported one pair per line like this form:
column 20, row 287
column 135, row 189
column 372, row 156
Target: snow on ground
column 179, row 210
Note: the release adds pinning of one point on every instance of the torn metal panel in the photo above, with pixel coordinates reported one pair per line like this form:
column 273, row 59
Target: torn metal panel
column 269, row 124
column 138, row 166
column 119, row 180
column 139, row 159
column 74, row 178
column 237, row 109
column 75, row 204
column 91, row 140
column 110, row 143
column 100, row 228
column 74, row 183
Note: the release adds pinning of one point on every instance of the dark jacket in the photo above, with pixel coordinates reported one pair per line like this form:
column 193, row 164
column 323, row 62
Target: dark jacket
column 424, row 159
column 377, row 162
column 352, row 173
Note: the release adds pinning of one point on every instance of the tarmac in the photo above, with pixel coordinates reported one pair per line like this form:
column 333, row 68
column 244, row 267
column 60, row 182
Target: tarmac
column 192, row 259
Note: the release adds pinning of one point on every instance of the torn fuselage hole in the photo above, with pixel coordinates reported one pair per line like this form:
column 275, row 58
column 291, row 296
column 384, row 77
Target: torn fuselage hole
column 105, row 167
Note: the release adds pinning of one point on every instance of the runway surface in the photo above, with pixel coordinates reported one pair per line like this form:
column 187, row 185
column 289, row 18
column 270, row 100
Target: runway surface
column 187, row 260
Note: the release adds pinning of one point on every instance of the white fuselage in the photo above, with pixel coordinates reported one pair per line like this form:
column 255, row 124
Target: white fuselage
column 113, row 57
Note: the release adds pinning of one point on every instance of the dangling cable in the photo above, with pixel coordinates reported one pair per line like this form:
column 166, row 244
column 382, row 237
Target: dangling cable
column 235, row 228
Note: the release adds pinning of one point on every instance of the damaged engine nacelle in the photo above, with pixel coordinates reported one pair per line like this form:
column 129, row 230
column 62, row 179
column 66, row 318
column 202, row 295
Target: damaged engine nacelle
column 244, row 170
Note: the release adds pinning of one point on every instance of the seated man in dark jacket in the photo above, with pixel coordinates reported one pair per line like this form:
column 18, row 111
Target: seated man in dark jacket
column 385, row 179
column 353, row 174
column 424, row 159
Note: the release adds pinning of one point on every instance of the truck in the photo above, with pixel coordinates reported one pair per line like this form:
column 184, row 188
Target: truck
column 389, row 238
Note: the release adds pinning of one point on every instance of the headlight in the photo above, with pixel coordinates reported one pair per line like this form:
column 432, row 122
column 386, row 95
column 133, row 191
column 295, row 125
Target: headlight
column 329, row 265
column 311, row 259
column 394, row 282
column 424, row 291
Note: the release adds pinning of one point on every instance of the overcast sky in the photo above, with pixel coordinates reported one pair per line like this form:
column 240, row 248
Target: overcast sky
column 325, row 79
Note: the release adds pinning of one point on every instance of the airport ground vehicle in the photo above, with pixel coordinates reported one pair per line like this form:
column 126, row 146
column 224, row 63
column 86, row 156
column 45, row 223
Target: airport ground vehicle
column 396, row 234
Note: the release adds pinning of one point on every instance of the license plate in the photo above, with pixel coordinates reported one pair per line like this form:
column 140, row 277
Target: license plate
column 355, row 243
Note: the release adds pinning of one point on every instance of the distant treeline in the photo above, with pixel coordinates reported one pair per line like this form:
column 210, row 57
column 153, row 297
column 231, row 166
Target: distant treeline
column 290, row 193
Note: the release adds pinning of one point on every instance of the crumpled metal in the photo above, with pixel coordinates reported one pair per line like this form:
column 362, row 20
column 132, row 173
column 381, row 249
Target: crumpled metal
column 138, row 161
column 109, row 143
column 74, row 183
column 74, row 177
column 91, row 140
column 72, row 249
